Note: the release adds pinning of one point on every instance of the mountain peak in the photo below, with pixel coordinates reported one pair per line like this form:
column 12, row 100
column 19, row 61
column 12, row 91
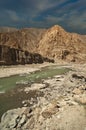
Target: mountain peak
column 55, row 31
column 56, row 28
column 57, row 43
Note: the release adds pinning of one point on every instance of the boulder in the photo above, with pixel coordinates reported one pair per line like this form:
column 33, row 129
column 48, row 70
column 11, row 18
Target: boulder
column 13, row 119
column 50, row 109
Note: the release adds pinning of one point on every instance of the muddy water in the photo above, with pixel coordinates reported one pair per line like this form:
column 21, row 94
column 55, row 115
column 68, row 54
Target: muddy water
column 14, row 94
column 13, row 99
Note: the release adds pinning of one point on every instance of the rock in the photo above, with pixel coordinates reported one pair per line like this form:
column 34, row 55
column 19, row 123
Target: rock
column 65, row 53
column 2, row 92
column 79, row 77
column 80, row 99
column 77, row 91
column 13, row 118
column 13, row 56
column 22, row 121
column 35, row 86
column 74, row 80
column 85, row 128
column 23, row 102
column 13, row 123
column 25, row 105
column 70, row 103
column 22, row 83
column 9, row 120
column 82, row 87
column 50, row 109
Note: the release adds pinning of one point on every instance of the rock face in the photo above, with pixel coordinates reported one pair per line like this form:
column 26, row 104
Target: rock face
column 12, row 56
column 59, row 44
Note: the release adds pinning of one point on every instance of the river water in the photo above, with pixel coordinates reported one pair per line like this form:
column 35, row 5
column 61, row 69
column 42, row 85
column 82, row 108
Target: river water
column 12, row 88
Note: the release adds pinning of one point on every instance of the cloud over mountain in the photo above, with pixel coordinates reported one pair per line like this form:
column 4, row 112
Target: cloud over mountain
column 71, row 14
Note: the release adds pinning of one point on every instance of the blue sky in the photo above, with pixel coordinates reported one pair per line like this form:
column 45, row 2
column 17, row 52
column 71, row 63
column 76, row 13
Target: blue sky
column 70, row 14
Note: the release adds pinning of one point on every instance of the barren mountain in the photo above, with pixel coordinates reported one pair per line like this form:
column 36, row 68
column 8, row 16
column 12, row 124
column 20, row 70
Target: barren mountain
column 26, row 39
column 54, row 42
column 7, row 29
column 57, row 43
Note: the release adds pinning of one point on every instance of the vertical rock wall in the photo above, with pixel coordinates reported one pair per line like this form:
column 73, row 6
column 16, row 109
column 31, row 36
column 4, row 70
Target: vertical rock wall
column 12, row 56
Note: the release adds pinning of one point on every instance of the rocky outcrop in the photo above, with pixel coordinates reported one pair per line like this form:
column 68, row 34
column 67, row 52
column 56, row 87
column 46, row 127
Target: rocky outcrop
column 12, row 56
column 59, row 44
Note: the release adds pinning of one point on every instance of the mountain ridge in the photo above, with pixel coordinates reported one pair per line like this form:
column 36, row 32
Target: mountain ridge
column 59, row 44
column 54, row 42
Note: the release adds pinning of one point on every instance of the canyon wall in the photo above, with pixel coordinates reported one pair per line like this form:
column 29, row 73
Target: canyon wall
column 12, row 56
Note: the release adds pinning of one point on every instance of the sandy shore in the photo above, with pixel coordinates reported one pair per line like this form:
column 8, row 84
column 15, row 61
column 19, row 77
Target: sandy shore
column 6, row 71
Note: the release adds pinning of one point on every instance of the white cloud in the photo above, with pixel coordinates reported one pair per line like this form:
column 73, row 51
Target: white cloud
column 36, row 7
column 12, row 15
column 45, row 13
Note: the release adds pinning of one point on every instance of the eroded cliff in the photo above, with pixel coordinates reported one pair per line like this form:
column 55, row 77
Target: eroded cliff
column 12, row 56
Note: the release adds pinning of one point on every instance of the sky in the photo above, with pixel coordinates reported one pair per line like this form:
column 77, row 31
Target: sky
column 70, row 14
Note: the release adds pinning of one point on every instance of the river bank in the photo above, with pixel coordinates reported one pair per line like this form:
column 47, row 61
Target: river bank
column 12, row 87
column 62, row 106
column 6, row 71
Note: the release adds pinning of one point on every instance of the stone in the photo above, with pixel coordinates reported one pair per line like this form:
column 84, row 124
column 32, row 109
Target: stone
column 9, row 120
column 77, row 91
column 82, row 87
column 50, row 109
column 25, row 105
column 22, row 83
column 22, row 121
column 35, row 86
column 12, row 118
column 80, row 99
column 13, row 56
column 13, row 123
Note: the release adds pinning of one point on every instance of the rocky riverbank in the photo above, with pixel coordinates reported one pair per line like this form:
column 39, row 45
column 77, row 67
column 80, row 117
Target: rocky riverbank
column 62, row 106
